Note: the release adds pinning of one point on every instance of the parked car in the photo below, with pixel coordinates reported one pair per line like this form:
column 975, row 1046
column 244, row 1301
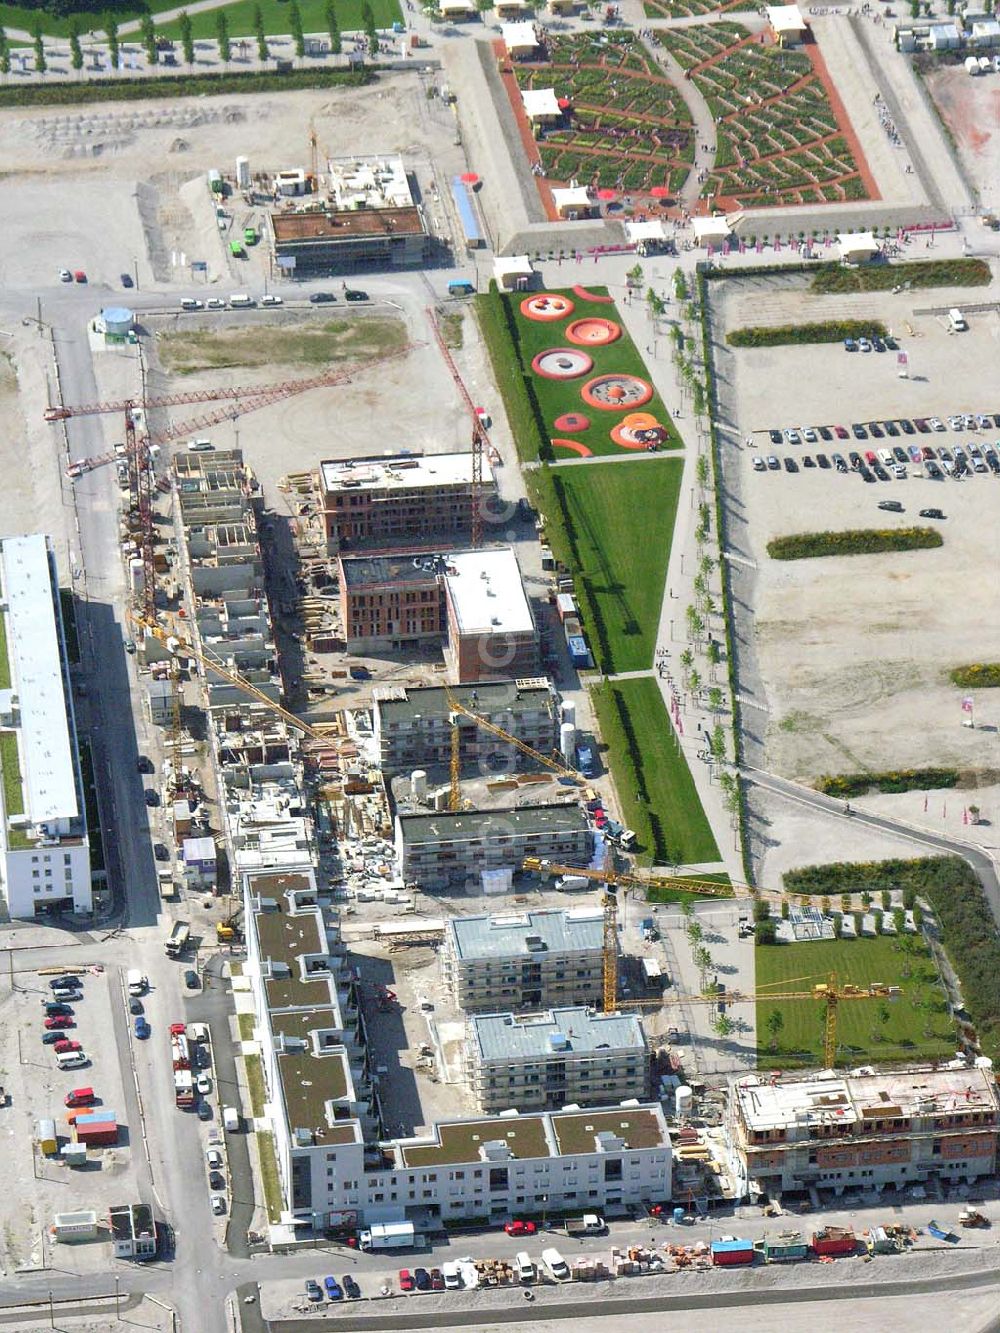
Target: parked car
column 899, row 454
column 271, row 300
column 215, row 303
column 916, row 454
column 79, row 275
column 850, row 345
column 51, row 1038
column 825, row 433
column 216, row 1180
column 758, row 464
column 351, row 1288
column 135, row 1006
column 773, row 463
column 822, row 461
column 334, row 1290
column 151, row 797
column 144, row 764
column 774, row 436
column 204, row 1110
column 406, row 1282
column 856, row 459
column 792, row 436
column 142, row 1028
column 126, row 279
column 437, row 1280
column 65, row 275
column 313, row 1290
column 56, row 1022
column 858, row 431
column 422, row 1278
column 520, row 1227
column 66, row 982
column 893, row 506
column 933, row 471
column 322, row 298
column 880, row 471
column 890, row 427
column 214, row 1158
column 808, row 434
column 191, row 979
column 875, row 430
column 840, row 463
column 808, row 460
column 906, row 426
column 932, row 513
column 791, row 465
column 355, row 294
column 218, row 1204
column 204, row 1084
column 841, row 432
column 161, row 852
column 65, row 1045
column 922, row 424
column 935, row 423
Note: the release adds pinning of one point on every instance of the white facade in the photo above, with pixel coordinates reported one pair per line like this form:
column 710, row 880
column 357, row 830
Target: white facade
column 44, row 851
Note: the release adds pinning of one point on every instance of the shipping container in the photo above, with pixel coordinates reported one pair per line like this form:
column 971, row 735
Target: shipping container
column 45, row 1135
column 74, row 1226
column 834, row 1240
column 782, row 1251
column 104, row 1134
column 731, row 1253
column 578, row 651
column 566, row 605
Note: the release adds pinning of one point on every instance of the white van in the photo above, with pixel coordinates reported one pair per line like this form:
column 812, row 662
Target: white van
column 956, row 320
column 241, row 301
column 201, row 446
column 526, row 1270
column 71, row 1059
column 231, row 1119
column 137, row 983
column 885, row 457
column 556, row 1265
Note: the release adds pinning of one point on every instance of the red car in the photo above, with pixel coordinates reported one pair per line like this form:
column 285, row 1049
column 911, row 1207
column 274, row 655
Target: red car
column 405, row 1280
column 520, row 1228
column 79, row 275
column 840, row 432
column 58, row 1021
column 64, row 1047
column 178, row 1029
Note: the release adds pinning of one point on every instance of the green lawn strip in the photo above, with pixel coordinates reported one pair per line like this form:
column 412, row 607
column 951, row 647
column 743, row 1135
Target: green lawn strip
column 611, row 525
column 655, row 788
column 94, row 831
column 916, row 1024
column 241, row 14
column 255, row 1083
column 246, row 1024
column 917, row 273
column 13, row 783
column 4, row 659
column 19, row 16
column 516, row 388
column 556, row 397
column 859, row 541
column 68, row 607
column 180, row 85
column 269, row 1174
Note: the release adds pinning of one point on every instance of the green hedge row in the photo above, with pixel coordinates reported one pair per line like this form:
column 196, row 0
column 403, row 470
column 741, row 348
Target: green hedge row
column 516, row 389
column 978, row 676
column 918, row 273
column 181, row 85
column 903, row 779
column 828, row 331
column 702, row 275
column 854, row 541
column 968, row 931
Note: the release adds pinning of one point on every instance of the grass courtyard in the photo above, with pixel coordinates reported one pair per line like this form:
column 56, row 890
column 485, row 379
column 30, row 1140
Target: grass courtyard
column 239, row 15
column 654, row 784
column 612, row 526
column 914, row 1026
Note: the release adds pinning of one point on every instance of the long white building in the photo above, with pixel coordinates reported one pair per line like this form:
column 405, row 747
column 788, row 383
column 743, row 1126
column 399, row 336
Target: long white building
column 44, row 851
column 336, row 1166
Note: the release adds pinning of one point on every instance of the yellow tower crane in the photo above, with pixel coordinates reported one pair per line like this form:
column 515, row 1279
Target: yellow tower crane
column 185, row 648
column 459, row 710
column 828, row 992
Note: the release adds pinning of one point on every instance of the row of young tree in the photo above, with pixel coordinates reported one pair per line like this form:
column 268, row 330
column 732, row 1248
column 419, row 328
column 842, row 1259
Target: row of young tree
column 151, row 42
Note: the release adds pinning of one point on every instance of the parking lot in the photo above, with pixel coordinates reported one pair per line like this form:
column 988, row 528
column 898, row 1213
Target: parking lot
column 854, row 652
column 38, row 1185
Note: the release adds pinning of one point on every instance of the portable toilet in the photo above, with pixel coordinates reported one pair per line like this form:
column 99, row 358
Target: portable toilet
column 45, row 1136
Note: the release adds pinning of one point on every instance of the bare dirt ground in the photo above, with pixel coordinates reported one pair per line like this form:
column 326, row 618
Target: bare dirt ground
column 970, row 108
column 854, row 652
column 85, row 195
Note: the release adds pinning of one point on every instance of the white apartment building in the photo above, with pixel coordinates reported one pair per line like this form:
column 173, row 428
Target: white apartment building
column 525, row 960
column 864, row 1130
column 336, row 1167
column 543, row 1062
column 44, row 850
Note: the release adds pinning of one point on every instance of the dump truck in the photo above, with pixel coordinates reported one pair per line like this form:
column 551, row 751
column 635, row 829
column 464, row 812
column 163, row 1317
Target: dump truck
column 177, row 940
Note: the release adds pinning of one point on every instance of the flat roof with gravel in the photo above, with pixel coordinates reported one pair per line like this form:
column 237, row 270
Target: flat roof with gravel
column 377, row 571
column 579, row 930
column 572, row 1030
column 398, row 472
column 465, row 825
column 346, row 224
column 397, row 704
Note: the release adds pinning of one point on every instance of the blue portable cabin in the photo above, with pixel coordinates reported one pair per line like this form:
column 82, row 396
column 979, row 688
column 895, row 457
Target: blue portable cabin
column 466, row 214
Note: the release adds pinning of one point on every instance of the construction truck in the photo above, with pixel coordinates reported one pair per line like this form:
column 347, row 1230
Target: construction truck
column 177, row 940
column 228, row 931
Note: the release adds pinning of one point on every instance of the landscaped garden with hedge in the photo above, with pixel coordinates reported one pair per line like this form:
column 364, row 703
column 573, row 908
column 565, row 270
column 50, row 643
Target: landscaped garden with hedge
column 893, row 780
column 779, row 141
column 835, row 279
column 828, row 331
column 978, row 676
column 856, row 541
column 968, row 930
column 630, row 129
